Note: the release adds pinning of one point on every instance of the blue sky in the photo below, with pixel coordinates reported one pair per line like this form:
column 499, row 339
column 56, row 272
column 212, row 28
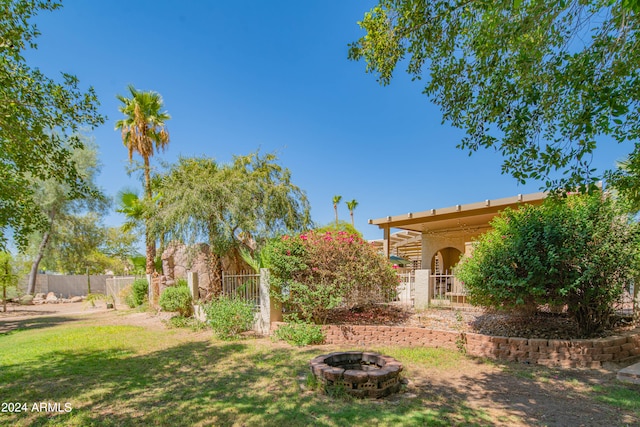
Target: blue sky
column 242, row 75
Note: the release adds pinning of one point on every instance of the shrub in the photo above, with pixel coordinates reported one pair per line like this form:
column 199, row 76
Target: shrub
column 300, row 333
column 314, row 272
column 140, row 291
column 186, row 322
column 178, row 299
column 126, row 295
column 578, row 251
column 229, row 317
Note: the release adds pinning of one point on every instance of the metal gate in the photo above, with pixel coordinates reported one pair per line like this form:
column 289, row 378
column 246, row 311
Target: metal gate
column 243, row 285
column 406, row 287
column 447, row 290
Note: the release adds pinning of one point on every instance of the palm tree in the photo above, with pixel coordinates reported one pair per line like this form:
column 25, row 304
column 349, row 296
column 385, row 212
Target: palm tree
column 336, row 200
column 143, row 128
column 351, row 206
column 131, row 206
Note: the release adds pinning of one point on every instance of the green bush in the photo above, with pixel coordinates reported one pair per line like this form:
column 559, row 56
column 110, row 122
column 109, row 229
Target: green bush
column 139, row 291
column 300, row 333
column 126, row 295
column 186, row 322
column 229, row 317
column 177, row 299
column 315, row 272
column 577, row 251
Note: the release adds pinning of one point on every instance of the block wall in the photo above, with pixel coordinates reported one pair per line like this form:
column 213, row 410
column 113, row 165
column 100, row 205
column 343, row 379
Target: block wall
column 563, row 353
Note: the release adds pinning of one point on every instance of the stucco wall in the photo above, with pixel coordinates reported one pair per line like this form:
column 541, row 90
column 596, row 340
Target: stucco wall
column 67, row 285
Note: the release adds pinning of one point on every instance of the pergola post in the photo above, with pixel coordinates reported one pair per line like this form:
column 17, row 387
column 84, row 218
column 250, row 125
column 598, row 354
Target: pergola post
column 386, row 242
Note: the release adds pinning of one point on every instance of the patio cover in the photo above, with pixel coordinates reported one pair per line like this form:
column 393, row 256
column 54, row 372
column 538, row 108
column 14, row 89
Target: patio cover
column 469, row 219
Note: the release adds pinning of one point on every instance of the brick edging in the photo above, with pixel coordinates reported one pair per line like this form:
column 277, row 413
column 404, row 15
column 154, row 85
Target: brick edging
column 590, row 353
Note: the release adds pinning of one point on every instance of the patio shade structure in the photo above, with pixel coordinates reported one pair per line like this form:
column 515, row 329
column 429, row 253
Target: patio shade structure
column 437, row 237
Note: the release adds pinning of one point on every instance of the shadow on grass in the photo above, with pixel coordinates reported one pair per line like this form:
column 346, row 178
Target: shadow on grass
column 202, row 382
column 208, row 383
column 9, row 326
column 538, row 395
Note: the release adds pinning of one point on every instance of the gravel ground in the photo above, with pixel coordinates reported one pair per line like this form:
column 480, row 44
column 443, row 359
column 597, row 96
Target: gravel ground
column 541, row 325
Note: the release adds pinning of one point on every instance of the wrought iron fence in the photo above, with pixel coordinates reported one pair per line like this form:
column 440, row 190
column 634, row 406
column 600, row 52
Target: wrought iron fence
column 244, row 285
column 406, row 287
column 447, row 290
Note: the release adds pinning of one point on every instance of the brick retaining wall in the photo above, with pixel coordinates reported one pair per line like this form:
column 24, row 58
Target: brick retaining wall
column 564, row 353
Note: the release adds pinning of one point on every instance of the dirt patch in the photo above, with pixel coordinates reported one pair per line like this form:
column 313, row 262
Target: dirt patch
column 20, row 316
column 22, row 311
column 516, row 395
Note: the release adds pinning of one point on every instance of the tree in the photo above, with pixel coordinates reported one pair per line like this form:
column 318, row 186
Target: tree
column 39, row 120
column 539, row 81
column 239, row 204
column 118, row 248
column 342, row 226
column 8, row 277
column 143, row 128
column 60, row 204
column 351, row 206
column 626, row 181
column 132, row 207
column 580, row 252
column 336, row 200
column 75, row 247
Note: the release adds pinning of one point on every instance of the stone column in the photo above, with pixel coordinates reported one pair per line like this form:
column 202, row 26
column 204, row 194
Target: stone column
column 192, row 283
column 270, row 311
column 423, row 290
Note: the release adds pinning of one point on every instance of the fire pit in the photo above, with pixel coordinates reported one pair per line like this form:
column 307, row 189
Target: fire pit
column 360, row 374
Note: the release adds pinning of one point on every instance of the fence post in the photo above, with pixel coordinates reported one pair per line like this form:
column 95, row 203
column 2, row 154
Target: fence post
column 270, row 311
column 423, row 292
column 192, row 282
column 149, row 277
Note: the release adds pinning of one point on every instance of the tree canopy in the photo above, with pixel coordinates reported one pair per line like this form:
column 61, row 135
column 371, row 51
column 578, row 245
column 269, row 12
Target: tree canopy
column 252, row 198
column 64, row 210
column 541, row 82
column 39, row 117
column 229, row 206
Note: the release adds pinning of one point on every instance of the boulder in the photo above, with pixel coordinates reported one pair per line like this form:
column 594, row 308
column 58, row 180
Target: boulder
column 51, row 297
column 76, row 299
column 26, row 299
column 178, row 259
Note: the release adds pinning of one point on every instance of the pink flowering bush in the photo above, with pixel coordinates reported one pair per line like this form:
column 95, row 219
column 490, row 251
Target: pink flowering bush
column 312, row 273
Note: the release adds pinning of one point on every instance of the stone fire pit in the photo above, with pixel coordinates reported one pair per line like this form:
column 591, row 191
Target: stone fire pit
column 360, row 374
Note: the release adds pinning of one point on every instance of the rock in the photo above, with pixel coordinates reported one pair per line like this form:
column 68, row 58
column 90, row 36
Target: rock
column 177, row 259
column 76, row 299
column 39, row 295
column 26, row 300
column 51, row 297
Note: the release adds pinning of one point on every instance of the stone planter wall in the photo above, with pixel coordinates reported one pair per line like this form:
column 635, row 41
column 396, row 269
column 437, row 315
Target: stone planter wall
column 564, row 353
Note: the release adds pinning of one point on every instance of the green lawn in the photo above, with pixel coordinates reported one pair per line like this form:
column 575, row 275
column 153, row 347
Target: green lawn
column 120, row 375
